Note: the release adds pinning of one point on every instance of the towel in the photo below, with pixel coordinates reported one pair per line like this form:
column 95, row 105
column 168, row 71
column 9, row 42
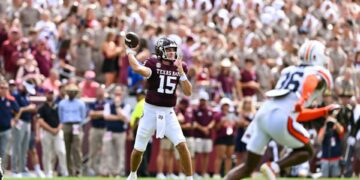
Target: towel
column 160, row 124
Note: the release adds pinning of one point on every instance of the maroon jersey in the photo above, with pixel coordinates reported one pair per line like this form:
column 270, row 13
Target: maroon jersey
column 203, row 116
column 224, row 130
column 162, row 83
column 247, row 76
column 187, row 113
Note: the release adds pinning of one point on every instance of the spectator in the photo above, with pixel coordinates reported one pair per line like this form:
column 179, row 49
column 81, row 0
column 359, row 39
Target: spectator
column 249, row 82
column 52, row 83
column 330, row 136
column 184, row 114
column 72, row 113
column 247, row 113
column 23, row 50
column 111, row 52
column 52, row 136
column 226, row 79
column 337, row 56
column 165, row 158
column 88, row 85
column 83, row 45
column 29, row 71
column 117, row 117
column 67, row 33
column 134, row 122
column 203, row 118
column 344, row 83
column 47, row 30
column 97, row 131
column 43, row 57
column 29, row 15
column 33, row 152
column 225, row 137
column 9, row 108
column 96, row 53
column 263, row 74
column 8, row 48
column 21, row 132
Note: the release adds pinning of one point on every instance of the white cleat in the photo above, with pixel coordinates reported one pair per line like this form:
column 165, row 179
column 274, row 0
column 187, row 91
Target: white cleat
column 267, row 171
column 40, row 174
column 216, row 176
column 172, row 176
column 132, row 176
column 160, row 176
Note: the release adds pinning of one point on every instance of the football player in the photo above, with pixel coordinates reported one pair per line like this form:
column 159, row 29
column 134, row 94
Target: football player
column 163, row 73
column 279, row 117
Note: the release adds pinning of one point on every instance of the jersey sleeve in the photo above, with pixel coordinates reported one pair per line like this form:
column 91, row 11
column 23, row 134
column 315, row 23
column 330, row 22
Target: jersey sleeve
column 314, row 83
column 15, row 106
column 217, row 117
column 311, row 114
column 185, row 67
column 326, row 75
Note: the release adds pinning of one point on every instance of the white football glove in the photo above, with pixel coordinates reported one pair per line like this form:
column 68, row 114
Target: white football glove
column 130, row 51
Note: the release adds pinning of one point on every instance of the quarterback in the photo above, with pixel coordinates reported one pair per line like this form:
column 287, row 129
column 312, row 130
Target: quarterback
column 163, row 73
column 279, row 116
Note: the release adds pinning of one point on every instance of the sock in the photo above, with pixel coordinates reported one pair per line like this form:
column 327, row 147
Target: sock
column 189, row 178
column 275, row 167
column 133, row 173
column 37, row 167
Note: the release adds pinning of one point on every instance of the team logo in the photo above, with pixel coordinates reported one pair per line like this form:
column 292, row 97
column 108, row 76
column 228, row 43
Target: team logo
column 158, row 65
column 8, row 104
column 199, row 114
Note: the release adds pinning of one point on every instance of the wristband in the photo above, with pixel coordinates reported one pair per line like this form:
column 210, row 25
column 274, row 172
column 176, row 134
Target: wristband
column 183, row 77
column 130, row 51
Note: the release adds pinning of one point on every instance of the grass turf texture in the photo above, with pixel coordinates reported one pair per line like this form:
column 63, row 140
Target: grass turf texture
column 104, row 178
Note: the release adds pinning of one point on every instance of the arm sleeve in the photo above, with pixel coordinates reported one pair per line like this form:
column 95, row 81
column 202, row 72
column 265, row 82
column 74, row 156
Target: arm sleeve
column 15, row 106
column 310, row 84
column 137, row 113
column 311, row 114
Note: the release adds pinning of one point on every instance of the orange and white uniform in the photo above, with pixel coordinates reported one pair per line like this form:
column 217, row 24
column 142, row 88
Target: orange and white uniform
column 278, row 118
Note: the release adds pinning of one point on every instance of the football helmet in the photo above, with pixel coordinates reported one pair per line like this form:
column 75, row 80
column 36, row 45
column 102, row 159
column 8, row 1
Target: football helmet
column 160, row 48
column 313, row 53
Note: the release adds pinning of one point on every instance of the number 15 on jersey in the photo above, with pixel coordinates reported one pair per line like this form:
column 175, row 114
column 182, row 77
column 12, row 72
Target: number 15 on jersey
column 167, row 84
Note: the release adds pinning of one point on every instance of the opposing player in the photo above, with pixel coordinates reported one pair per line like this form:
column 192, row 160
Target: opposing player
column 163, row 75
column 278, row 118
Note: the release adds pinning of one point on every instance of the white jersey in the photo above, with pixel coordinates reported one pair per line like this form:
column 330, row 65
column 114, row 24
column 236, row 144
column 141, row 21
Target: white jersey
column 276, row 118
column 293, row 83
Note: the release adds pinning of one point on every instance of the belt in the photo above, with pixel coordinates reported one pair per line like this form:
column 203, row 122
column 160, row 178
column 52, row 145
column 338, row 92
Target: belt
column 71, row 123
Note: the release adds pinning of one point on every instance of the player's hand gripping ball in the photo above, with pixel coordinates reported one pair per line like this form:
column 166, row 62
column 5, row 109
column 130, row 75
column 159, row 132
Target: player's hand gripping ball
column 131, row 39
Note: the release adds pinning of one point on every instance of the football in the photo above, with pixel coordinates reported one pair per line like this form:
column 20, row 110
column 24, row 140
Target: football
column 131, row 39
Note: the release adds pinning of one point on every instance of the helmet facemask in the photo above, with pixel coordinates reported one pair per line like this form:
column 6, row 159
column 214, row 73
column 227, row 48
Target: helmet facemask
column 166, row 49
column 169, row 52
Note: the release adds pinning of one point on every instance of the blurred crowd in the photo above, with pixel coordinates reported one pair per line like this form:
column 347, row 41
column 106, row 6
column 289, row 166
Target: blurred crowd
column 63, row 67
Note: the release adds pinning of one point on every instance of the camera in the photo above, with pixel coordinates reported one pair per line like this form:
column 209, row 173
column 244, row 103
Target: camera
column 330, row 125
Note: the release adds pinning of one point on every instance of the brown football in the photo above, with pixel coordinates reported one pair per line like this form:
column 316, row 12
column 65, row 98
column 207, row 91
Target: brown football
column 131, row 39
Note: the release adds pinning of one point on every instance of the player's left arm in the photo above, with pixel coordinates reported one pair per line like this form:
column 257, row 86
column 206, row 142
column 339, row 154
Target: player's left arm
column 184, row 82
column 311, row 83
